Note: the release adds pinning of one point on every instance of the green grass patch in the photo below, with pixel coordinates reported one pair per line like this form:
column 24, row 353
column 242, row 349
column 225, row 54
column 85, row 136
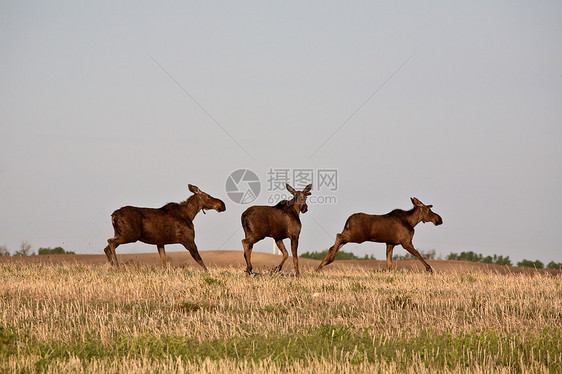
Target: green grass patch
column 7, row 342
column 482, row 347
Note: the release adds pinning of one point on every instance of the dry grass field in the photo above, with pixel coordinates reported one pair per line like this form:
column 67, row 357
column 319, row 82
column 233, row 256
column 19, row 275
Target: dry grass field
column 73, row 313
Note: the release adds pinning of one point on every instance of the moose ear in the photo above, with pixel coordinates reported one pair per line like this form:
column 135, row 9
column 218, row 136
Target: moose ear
column 290, row 189
column 416, row 202
column 194, row 189
column 307, row 190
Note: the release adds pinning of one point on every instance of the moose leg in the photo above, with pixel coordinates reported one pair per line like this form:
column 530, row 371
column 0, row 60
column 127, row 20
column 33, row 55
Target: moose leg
column 192, row 248
column 108, row 254
column 113, row 244
column 283, row 250
column 294, row 246
column 410, row 248
column 332, row 252
column 248, row 254
column 389, row 249
column 162, row 254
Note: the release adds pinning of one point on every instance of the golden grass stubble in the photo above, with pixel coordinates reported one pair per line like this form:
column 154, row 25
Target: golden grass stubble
column 61, row 302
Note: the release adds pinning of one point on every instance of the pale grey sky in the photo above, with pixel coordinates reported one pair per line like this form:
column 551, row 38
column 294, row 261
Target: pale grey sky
column 96, row 113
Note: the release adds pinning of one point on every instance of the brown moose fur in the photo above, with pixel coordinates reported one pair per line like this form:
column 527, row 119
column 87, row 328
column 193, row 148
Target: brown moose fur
column 170, row 224
column 394, row 228
column 278, row 222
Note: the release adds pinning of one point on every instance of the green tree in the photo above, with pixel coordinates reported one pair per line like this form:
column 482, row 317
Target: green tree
column 531, row 264
column 554, row 265
column 487, row 260
column 500, row 260
column 54, row 251
column 471, row 256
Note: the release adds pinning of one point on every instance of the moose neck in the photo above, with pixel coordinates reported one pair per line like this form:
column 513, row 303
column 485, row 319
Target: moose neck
column 292, row 205
column 413, row 216
column 192, row 206
column 296, row 209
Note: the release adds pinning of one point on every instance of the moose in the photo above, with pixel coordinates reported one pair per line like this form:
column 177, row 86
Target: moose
column 278, row 222
column 170, row 224
column 394, row 228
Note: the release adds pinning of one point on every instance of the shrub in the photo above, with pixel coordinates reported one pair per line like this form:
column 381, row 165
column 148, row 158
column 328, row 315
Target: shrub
column 4, row 250
column 25, row 249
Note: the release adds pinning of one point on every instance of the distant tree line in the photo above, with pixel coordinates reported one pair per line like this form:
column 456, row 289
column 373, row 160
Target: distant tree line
column 501, row 260
column 431, row 255
column 539, row 265
column 54, row 251
column 25, row 250
column 478, row 257
column 428, row 255
column 343, row 255
column 340, row 255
